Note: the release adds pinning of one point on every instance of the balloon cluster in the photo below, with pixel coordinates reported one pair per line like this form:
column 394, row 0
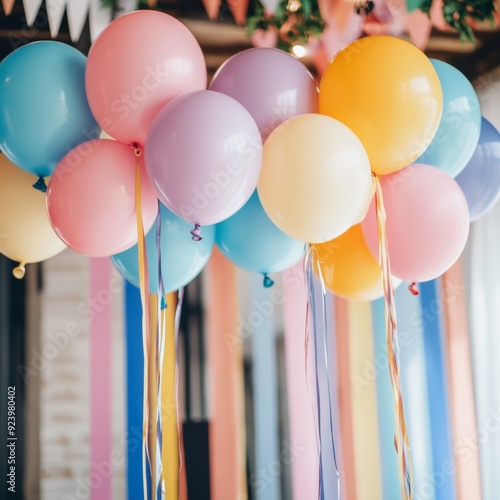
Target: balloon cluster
column 264, row 160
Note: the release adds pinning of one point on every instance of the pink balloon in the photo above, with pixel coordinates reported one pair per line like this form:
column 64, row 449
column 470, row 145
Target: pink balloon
column 91, row 198
column 427, row 222
column 271, row 84
column 138, row 63
column 203, row 156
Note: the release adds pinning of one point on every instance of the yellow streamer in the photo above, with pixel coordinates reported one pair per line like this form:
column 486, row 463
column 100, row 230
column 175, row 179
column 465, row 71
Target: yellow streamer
column 401, row 436
column 146, row 319
column 364, row 404
column 170, row 437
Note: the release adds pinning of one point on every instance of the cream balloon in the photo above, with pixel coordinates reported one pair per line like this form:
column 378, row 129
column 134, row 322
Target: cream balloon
column 315, row 181
column 26, row 235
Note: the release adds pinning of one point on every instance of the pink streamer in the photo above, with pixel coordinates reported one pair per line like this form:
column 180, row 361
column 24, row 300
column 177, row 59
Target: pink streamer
column 100, row 479
column 303, row 445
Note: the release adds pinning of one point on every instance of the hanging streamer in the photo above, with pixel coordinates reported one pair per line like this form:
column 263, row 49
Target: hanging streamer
column 461, row 390
column 435, row 360
column 227, row 451
column 364, row 403
column 100, row 378
column 347, row 472
column 388, row 459
column 171, row 442
column 265, row 385
column 135, row 388
column 323, row 393
column 302, row 434
column 483, row 292
column 146, row 328
column 401, row 436
column 414, row 389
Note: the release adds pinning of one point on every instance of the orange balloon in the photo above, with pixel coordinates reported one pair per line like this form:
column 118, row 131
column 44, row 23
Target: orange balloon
column 388, row 93
column 348, row 267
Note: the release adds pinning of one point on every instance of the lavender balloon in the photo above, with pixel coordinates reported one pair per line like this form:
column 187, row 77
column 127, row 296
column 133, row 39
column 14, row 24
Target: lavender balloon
column 480, row 180
column 203, row 156
column 271, row 84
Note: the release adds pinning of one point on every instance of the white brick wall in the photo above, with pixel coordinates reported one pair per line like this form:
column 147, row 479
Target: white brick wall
column 65, row 379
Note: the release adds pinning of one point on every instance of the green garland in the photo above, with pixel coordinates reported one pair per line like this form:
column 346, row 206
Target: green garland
column 298, row 26
column 295, row 21
column 459, row 13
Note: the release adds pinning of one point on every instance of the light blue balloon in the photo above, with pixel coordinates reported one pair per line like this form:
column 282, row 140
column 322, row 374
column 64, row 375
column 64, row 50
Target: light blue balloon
column 182, row 259
column 44, row 111
column 251, row 241
column 460, row 126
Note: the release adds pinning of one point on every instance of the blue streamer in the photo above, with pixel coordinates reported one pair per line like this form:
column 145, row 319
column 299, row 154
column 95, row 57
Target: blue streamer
column 265, row 385
column 135, row 388
column 329, row 479
column 388, row 457
column 442, row 448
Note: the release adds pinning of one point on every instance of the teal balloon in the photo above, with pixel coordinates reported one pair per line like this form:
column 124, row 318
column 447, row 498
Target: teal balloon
column 458, row 133
column 182, row 259
column 44, row 111
column 251, row 241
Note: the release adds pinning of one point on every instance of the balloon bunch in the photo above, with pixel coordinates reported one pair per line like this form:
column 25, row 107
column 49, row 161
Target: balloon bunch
column 382, row 106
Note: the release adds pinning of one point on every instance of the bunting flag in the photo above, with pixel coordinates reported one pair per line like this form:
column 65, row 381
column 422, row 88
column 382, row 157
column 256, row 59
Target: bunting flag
column 7, row 6
column 225, row 376
column 77, row 12
column 100, row 380
column 213, row 8
column 466, row 434
column 239, row 10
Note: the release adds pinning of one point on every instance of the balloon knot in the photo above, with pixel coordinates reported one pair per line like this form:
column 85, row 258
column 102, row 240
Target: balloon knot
column 163, row 303
column 137, row 151
column 40, row 185
column 19, row 271
column 413, row 289
column 268, row 282
column 196, row 233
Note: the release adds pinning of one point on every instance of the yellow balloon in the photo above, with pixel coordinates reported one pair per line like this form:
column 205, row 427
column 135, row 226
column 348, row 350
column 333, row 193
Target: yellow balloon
column 348, row 267
column 315, row 179
column 26, row 235
column 388, row 92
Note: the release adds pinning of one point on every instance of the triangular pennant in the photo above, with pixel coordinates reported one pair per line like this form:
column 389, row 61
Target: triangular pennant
column 270, row 5
column 55, row 13
column 99, row 18
column 7, row 6
column 31, row 8
column 77, row 15
column 239, row 10
column 419, row 28
column 212, row 7
column 126, row 6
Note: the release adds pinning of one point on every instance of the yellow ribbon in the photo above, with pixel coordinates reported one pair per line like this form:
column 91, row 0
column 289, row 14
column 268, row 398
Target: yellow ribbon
column 401, row 436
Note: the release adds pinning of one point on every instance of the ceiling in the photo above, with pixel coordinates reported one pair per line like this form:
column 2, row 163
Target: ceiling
column 223, row 38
